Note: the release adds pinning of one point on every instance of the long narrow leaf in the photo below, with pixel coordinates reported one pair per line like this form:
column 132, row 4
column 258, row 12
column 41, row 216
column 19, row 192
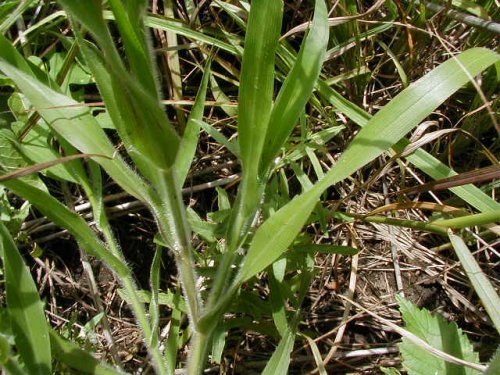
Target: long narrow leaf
column 385, row 129
column 280, row 360
column 420, row 158
column 78, row 359
column 62, row 216
column 77, row 126
column 256, row 93
column 189, row 141
column 25, row 309
column 298, row 85
column 486, row 292
column 257, row 80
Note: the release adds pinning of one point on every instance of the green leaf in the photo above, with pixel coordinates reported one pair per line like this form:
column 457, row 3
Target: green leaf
column 173, row 340
column 494, row 365
column 25, row 309
column 254, row 110
column 384, row 130
column 482, row 286
column 189, row 141
column 280, row 360
column 154, row 312
column 90, row 14
column 257, row 81
column 78, row 359
column 219, row 137
column 420, row 158
column 440, row 334
column 65, row 218
column 129, row 19
column 11, row 159
column 298, row 85
column 77, row 125
column 8, row 361
column 162, row 23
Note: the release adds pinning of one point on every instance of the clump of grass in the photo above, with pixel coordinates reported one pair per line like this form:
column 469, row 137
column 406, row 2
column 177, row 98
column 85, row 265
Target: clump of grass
column 261, row 227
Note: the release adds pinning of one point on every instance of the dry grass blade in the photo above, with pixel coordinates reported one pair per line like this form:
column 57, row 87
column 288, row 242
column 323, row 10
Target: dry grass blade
column 334, row 21
column 419, row 205
column 479, row 175
column 22, row 172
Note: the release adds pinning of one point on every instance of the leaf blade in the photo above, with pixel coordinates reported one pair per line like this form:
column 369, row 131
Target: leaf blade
column 25, row 309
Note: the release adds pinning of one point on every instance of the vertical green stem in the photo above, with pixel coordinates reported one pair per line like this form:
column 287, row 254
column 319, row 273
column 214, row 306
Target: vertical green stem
column 171, row 217
column 199, row 351
column 133, row 297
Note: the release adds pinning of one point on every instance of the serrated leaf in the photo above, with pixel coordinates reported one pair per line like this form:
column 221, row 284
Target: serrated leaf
column 440, row 334
column 494, row 365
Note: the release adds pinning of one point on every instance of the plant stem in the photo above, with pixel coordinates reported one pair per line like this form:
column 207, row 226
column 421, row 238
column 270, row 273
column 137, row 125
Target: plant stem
column 133, row 297
column 199, row 351
column 171, row 219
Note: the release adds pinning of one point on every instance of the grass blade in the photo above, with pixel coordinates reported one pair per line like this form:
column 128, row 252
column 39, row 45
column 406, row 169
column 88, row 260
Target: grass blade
column 384, row 130
column 25, row 309
column 420, row 158
column 257, row 80
column 412, row 105
column 478, row 279
column 298, row 85
column 191, row 135
column 77, row 126
column 255, row 103
column 65, row 218
column 78, row 359
column 280, row 360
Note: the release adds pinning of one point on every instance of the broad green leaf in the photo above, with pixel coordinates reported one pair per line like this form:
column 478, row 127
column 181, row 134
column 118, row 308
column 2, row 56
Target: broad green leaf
column 189, row 141
column 277, row 233
column 440, row 334
column 78, row 359
column 11, row 159
column 482, row 286
column 25, row 309
column 280, row 360
column 384, row 130
column 62, row 216
column 298, row 85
